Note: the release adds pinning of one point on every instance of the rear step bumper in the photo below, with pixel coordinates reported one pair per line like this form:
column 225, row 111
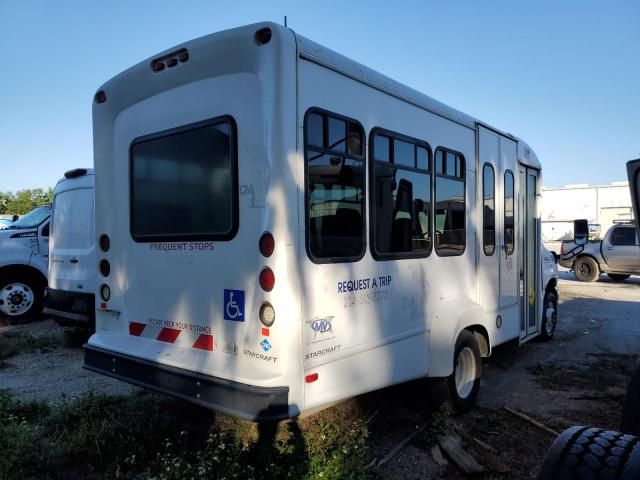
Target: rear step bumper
column 70, row 308
column 245, row 401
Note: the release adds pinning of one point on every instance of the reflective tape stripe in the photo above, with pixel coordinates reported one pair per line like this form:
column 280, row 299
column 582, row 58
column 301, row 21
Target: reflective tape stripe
column 136, row 328
column 168, row 335
column 172, row 335
column 204, row 342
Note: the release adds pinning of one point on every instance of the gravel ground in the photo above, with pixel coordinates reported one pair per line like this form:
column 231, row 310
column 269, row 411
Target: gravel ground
column 53, row 374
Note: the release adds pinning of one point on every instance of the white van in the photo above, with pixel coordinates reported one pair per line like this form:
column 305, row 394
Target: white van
column 285, row 228
column 72, row 254
column 24, row 252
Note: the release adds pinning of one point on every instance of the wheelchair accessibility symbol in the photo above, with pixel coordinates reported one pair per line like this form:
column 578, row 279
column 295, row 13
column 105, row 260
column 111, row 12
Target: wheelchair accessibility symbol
column 234, row 305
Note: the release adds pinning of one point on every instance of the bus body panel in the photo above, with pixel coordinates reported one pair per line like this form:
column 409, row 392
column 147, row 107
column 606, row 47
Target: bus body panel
column 167, row 298
column 376, row 326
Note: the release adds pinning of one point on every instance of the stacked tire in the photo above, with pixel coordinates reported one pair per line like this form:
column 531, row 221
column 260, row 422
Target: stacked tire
column 582, row 453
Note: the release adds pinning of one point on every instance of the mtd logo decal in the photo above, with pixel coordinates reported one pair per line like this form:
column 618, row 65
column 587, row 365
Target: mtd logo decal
column 234, row 305
column 321, row 325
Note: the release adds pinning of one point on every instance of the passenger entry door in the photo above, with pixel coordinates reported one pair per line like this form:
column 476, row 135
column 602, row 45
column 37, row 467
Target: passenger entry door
column 498, row 250
column 529, row 246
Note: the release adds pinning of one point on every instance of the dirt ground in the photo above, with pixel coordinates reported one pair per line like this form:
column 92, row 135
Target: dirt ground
column 576, row 379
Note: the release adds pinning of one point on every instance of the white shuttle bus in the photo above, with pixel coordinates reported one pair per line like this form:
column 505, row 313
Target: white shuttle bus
column 286, row 228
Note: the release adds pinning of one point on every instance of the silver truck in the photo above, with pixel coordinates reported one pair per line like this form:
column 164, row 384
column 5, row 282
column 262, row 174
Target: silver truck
column 617, row 255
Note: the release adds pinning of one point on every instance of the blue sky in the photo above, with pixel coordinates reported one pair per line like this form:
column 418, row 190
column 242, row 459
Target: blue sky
column 564, row 76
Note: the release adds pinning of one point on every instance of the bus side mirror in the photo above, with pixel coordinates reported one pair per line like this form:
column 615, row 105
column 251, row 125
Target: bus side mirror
column 580, row 231
column 633, row 174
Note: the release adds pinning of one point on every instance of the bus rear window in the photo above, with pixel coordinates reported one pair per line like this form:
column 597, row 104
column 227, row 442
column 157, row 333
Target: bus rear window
column 184, row 183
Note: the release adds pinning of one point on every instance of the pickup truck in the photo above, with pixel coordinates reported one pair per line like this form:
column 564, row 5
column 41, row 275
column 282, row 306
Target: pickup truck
column 617, row 255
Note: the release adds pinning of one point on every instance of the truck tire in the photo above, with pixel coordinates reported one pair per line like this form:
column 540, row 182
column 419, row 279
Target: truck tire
column 631, row 406
column 591, row 453
column 586, row 269
column 458, row 391
column 21, row 297
column 618, row 277
column 549, row 315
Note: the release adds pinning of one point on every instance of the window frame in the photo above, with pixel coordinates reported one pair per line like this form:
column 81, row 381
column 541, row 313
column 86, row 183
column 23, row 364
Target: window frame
column 446, row 150
column 509, row 251
column 371, row 186
column 235, row 200
column 484, row 218
column 345, row 154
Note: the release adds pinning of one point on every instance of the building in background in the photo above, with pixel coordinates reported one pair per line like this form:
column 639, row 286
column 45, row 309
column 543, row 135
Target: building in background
column 601, row 205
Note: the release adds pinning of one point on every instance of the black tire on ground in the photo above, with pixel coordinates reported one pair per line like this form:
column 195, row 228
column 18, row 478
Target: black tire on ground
column 631, row 406
column 23, row 284
column 549, row 315
column 586, row 269
column 618, row 277
column 592, row 453
column 453, row 392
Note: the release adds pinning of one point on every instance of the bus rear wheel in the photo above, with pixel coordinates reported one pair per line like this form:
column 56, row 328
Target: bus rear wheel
column 458, row 391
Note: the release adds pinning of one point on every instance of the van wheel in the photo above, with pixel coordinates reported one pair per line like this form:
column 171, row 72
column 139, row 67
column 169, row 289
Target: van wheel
column 549, row 315
column 458, row 391
column 586, row 269
column 618, row 277
column 21, row 297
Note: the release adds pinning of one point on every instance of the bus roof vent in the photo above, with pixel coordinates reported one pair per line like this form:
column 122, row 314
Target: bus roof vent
column 76, row 172
column 170, row 60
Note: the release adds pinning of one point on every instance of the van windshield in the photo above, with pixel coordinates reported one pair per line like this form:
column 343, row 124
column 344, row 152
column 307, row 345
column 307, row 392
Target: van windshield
column 32, row 219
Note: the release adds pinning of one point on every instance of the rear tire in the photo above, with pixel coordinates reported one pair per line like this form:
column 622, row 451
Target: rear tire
column 618, row 277
column 583, row 452
column 549, row 315
column 586, row 269
column 21, row 296
column 458, row 391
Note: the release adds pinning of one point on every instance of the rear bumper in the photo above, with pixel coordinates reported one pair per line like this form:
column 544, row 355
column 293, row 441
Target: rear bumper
column 70, row 308
column 245, row 401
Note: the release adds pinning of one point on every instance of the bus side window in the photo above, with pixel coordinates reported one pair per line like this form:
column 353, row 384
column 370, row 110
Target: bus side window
column 334, row 187
column 508, row 213
column 489, row 210
column 400, row 196
column 450, row 203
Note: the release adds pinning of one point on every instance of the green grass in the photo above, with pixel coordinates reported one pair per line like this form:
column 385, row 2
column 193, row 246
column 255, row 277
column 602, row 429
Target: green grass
column 150, row 436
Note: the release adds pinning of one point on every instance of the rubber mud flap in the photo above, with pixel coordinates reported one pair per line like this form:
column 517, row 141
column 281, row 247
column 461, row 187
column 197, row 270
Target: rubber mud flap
column 592, row 453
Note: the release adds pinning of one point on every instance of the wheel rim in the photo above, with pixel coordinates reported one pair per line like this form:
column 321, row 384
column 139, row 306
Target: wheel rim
column 465, row 375
column 16, row 299
column 585, row 269
column 551, row 315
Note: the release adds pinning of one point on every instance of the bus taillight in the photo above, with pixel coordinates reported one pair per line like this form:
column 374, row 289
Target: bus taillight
column 266, row 244
column 267, row 279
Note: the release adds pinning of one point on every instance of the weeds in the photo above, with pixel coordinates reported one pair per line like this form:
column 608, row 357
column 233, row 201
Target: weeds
column 149, row 436
column 14, row 344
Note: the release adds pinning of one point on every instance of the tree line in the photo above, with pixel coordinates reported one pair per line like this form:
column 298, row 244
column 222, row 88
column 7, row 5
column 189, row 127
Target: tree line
column 23, row 201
